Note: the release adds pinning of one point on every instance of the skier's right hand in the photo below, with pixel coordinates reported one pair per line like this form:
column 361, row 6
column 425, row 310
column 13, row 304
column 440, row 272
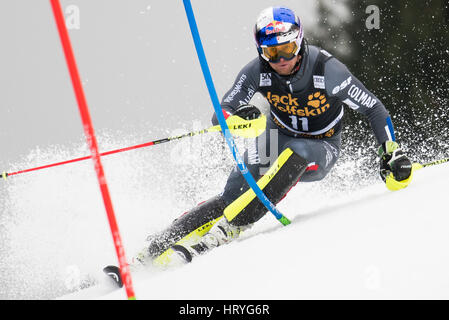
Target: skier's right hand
column 238, row 121
column 247, row 112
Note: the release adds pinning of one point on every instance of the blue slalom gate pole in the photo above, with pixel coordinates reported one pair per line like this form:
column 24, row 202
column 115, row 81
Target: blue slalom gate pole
column 222, row 121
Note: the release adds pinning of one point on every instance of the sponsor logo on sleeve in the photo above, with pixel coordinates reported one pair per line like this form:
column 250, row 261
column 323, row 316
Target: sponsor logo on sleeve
column 351, row 104
column 248, row 97
column 237, row 89
column 342, row 85
column 361, row 97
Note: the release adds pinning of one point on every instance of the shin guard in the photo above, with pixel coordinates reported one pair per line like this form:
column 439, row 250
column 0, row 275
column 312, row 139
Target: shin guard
column 188, row 228
column 277, row 181
column 246, row 209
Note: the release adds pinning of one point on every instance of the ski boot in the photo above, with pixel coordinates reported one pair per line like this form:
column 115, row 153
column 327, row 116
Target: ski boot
column 221, row 233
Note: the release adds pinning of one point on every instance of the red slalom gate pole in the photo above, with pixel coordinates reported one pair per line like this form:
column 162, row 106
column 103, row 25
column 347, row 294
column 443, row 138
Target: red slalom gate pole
column 92, row 142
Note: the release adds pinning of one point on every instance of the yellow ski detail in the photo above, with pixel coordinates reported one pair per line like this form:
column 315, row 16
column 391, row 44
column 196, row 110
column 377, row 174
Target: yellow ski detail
column 189, row 240
column 241, row 202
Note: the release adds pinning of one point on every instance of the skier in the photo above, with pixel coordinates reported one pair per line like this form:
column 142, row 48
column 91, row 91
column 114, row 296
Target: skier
column 307, row 89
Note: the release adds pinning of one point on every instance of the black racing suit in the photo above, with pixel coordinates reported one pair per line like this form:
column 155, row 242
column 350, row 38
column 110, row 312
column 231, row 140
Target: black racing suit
column 306, row 111
column 301, row 142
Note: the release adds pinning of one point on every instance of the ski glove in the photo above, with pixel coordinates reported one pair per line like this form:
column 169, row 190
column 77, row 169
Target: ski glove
column 393, row 160
column 238, row 121
column 247, row 112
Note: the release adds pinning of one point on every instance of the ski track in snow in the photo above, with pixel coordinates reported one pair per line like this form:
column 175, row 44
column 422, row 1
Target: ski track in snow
column 350, row 238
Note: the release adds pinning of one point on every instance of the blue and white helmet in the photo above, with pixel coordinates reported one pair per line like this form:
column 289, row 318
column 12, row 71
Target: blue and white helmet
column 275, row 26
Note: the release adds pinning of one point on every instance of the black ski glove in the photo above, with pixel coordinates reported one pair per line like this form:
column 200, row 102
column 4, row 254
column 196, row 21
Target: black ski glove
column 247, row 112
column 393, row 159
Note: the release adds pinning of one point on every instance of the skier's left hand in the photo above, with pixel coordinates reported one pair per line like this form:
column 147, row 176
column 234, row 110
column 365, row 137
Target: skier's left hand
column 394, row 164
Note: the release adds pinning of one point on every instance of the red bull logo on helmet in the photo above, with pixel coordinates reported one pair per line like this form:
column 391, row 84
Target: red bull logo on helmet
column 275, row 27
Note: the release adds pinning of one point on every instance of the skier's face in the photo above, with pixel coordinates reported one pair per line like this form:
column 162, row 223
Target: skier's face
column 284, row 67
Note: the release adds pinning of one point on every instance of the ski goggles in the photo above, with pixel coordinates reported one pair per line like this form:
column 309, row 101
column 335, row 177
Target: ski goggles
column 274, row 53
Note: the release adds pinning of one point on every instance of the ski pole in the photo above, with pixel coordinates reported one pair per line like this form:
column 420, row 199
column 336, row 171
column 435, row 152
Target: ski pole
column 237, row 125
column 433, row 163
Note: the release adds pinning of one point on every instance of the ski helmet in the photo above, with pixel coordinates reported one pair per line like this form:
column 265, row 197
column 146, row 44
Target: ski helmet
column 278, row 33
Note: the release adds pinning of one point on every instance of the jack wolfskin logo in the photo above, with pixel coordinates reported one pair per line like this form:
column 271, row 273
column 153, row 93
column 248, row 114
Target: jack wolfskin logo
column 285, row 100
column 315, row 105
column 316, row 100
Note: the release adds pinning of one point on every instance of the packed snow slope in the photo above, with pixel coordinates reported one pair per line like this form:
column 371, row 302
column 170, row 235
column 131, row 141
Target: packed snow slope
column 366, row 244
column 350, row 237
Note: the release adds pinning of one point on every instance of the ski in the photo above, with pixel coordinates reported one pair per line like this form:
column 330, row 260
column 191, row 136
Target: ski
column 113, row 272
